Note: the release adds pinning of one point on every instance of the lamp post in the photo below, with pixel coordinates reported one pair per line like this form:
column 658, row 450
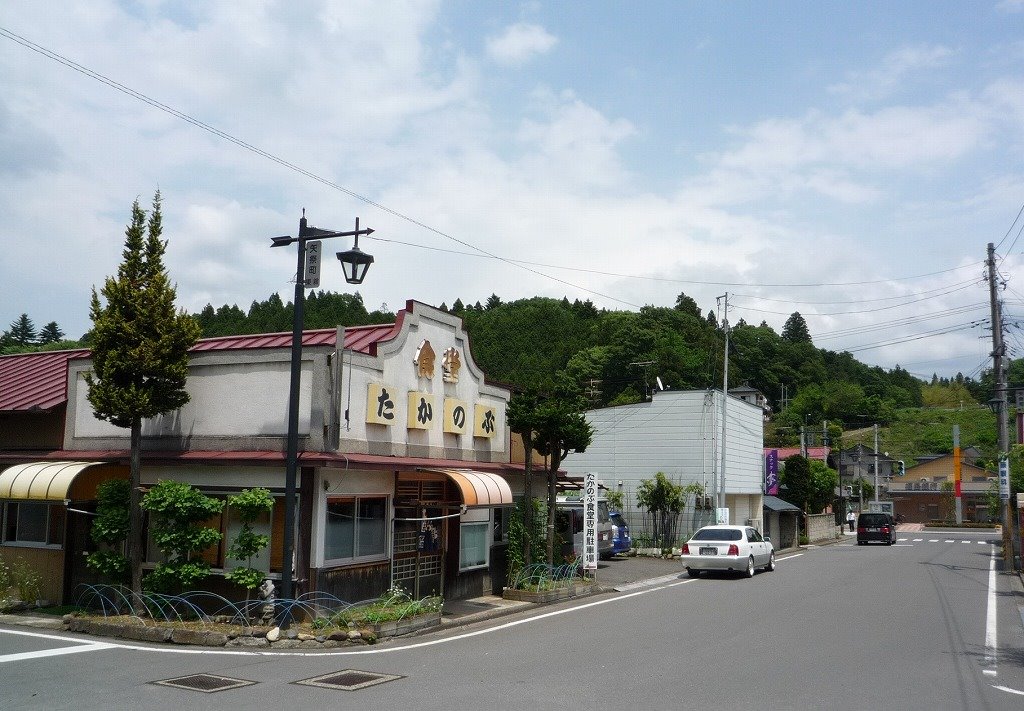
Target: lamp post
column 355, row 264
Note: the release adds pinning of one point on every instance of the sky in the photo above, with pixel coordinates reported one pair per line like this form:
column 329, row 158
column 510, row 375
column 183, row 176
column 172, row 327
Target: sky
column 850, row 161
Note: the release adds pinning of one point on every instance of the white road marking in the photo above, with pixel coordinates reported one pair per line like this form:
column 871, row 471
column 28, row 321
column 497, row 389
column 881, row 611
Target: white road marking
column 364, row 652
column 965, row 541
column 950, row 540
column 81, row 647
column 1009, row 690
column 933, row 540
column 918, row 540
column 991, row 628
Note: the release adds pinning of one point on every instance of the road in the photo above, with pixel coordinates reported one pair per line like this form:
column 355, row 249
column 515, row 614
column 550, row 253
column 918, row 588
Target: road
column 914, row 626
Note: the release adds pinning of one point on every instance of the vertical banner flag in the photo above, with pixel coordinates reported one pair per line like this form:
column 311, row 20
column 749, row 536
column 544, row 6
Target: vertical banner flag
column 590, row 521
column 771, row 472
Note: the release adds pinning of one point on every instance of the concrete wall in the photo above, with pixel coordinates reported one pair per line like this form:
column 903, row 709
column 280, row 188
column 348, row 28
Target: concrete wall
column 238, row 401
column 394, row 367
column 678, row 433
column 821, row 527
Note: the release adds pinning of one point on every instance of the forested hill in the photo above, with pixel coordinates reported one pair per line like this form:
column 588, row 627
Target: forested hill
column 618, row 356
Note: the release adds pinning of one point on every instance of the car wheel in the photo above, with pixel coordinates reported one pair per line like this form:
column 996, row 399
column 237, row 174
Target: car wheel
column 693, row 573
column 750, row 567
column 771, row 562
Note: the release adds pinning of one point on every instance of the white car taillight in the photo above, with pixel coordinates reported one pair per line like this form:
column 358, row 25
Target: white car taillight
column 734, row 549
column 686, row 549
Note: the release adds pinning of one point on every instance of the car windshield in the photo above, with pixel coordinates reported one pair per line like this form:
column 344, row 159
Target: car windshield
column 718, row 534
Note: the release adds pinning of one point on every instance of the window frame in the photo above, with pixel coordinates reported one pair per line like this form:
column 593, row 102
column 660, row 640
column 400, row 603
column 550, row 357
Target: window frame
column 356, row 499
column 486, row 527
column 48, row 524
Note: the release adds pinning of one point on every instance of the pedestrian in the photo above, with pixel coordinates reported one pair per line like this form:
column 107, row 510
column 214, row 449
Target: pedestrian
column 850, row 519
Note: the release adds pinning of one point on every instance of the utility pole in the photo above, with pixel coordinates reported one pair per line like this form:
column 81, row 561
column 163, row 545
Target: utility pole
column 725, row 397
column 876, row 464
column 999, row 371
column 957, row 472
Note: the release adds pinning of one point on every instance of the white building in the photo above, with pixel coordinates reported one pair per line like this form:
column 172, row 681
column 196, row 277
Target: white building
column 680, row 434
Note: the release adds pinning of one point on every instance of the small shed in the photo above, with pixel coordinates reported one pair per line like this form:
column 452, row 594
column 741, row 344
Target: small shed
column 780, row 522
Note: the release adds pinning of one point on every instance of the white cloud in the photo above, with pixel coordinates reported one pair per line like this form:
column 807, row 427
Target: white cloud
column 520, row 43
column 893, row 73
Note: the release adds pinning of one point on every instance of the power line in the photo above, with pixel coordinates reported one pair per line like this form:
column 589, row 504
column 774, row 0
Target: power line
column 862, row 311
column 477, row 251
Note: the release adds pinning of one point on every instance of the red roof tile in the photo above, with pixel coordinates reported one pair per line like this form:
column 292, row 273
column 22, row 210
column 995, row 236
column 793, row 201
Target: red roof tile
column 316, row 337
column 35, row 381
column 38, row 381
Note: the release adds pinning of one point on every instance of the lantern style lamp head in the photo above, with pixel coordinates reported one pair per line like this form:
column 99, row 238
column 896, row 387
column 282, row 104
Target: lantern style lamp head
column 355, row 263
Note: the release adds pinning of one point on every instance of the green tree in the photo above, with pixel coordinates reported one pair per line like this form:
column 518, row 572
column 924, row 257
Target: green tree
column 552, row 423
column 664, row 500
column 249, row 505
column 110, row 530
column 22, row 332
column 140, row 346
column 795, row 329
column 177, row 512
column 51, row 333
column 824, row 481
column 796, row 480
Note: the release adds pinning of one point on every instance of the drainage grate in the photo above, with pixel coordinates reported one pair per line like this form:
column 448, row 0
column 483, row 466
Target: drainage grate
column 206, row 683
column 348, row 680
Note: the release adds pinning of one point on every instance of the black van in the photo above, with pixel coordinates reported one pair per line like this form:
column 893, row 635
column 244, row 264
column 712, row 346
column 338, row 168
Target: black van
column 872, row 526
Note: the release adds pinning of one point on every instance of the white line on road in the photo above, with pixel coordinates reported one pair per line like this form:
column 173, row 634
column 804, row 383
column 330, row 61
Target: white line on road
column 83, row 647
column 363, row 652
column 991, row 629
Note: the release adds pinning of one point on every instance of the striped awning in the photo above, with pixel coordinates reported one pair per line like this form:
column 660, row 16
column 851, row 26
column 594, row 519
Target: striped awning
column 479, row 488
column 41, row 481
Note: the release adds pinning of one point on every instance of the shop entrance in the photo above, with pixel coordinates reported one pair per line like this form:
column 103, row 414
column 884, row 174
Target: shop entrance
column 421, row 532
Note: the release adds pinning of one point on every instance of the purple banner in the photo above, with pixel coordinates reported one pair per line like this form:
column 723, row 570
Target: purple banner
column 771, row 472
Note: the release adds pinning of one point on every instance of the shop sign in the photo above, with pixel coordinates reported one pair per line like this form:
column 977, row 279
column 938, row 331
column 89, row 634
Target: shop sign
column 485, row 421
column 456, row 416
column 420, row 410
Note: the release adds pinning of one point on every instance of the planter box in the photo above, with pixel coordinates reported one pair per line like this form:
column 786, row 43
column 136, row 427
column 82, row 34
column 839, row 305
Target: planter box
column 554, row 595
column 396, row 628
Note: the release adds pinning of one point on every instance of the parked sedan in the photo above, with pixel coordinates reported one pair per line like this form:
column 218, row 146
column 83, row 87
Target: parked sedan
column 739, row 549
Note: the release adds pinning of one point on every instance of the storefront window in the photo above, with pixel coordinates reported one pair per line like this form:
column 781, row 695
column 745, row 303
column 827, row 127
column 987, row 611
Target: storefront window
column 356, row 528
column 33, row 523
column 473, row 545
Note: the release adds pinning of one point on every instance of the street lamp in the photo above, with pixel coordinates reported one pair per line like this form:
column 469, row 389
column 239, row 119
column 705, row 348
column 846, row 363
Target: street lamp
column 355, row 263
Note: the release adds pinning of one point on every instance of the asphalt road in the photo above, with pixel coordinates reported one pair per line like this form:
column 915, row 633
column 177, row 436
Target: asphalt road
column 913, row 626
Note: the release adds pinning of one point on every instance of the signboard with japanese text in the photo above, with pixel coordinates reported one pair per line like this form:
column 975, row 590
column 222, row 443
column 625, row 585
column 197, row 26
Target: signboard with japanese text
column 485, row 421
column 1004, row 478
column 313, row 251
column 771, row 473
column 590, row 521
column 456, row 416
column 420, row 411
column 380, row 404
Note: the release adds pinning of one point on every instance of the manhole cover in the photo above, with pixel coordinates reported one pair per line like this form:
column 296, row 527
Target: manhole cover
column 206, row 683
column 348, row 680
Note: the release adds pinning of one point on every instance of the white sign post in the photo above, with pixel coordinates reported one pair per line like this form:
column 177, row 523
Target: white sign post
column 590, row 521
column 1004, row 479
column 312, row 277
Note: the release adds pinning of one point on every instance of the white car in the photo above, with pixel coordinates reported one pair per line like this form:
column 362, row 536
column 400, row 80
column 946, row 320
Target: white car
column 729, row 548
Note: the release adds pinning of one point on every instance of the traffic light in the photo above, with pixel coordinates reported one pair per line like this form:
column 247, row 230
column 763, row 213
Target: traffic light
column 901, row 469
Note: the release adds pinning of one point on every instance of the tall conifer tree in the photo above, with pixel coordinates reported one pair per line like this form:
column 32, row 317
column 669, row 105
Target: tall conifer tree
column 140, row 344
